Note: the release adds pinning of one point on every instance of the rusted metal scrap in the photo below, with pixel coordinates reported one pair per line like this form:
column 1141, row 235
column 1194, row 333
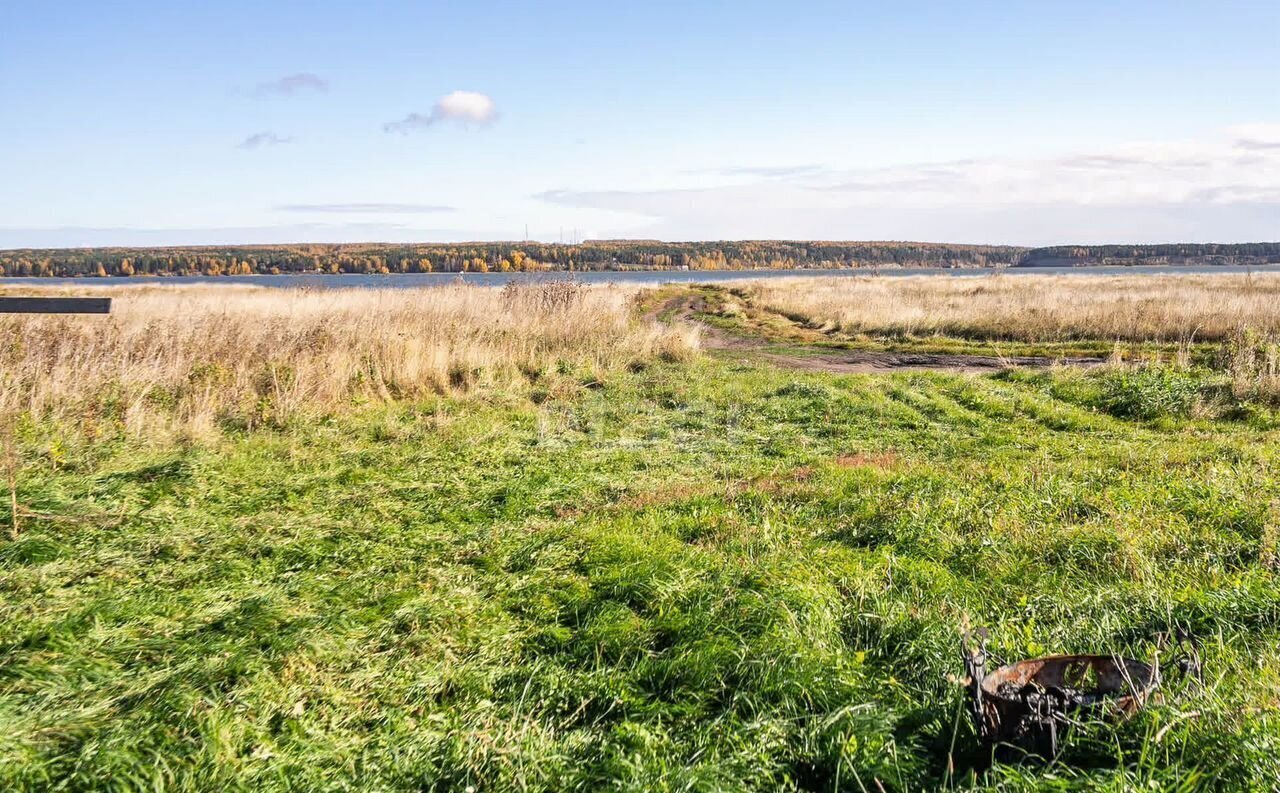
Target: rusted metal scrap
column 1030, row 704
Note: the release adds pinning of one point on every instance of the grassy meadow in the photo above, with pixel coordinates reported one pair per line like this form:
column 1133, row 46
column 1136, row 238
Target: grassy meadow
column 533, row 539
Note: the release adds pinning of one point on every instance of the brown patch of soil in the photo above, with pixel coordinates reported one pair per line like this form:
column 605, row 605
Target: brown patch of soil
column 802, row 474
column 654, row 498
column 880, row 460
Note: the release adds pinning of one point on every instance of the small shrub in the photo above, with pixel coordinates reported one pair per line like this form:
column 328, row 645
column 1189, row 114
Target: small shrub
column 558, row 295
column 1150, row 393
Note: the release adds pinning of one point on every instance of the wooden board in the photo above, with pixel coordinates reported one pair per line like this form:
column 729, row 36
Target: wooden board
column 55, row 305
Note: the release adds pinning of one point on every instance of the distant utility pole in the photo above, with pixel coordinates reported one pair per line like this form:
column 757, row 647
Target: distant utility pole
column 526, row 232
column 562, row 235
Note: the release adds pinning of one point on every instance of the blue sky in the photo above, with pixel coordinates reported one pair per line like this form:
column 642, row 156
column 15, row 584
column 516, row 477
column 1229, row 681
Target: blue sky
column 1033, row 123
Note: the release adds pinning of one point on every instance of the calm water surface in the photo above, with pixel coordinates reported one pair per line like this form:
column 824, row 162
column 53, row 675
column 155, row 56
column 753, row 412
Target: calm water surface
column 407, row 280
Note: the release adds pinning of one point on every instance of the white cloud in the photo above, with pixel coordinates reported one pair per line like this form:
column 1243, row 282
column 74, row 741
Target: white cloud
column 367, row 208
column 463, row 107
column 762, row 171
column 1257, row 137
column 292, row 84
column 260, row 139
column 1222, row 187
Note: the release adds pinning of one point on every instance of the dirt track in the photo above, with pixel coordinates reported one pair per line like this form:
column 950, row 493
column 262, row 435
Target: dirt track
column 686, row 308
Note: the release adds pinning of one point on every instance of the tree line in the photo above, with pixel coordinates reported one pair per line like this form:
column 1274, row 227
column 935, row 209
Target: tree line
column 495, row 257
column 1248, row 253
column 595, row 255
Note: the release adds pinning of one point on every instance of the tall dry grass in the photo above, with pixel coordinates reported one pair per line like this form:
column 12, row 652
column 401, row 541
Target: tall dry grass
column 1239, row 312
column 1035, row 308
column 192, row 357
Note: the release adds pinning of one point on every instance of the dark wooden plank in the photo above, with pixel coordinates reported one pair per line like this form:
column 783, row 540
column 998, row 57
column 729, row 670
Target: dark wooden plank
column 55, row 305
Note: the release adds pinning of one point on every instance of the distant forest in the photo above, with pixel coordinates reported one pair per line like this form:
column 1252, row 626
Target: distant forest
column 1128, row 255
column 597, row 255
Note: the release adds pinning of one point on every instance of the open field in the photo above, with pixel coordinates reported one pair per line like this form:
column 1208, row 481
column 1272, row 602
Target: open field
column 192, row 358
column 1036, row 308
column 596, row 560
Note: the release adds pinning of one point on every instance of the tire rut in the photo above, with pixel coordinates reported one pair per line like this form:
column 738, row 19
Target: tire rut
column 684, row 308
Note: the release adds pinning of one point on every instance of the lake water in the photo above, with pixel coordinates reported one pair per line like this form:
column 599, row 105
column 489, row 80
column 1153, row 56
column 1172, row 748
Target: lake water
column 407, row 280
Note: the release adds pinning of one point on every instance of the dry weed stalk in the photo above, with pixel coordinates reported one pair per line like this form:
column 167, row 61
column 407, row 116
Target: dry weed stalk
column 11, row 475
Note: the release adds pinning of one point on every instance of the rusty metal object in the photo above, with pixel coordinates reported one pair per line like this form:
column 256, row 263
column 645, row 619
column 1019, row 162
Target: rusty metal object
column 1029, row 704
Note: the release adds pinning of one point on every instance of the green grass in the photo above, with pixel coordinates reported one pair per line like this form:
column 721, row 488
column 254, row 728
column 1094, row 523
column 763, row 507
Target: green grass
column 709, row 576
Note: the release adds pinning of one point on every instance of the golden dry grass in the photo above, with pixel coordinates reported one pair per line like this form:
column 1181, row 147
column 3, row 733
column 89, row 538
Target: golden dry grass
column 1035, row 308
column 1240, row 313
column 188, row 357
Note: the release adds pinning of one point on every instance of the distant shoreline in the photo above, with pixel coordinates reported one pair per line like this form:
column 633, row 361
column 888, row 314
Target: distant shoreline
column 616, row 256
column 398, row 281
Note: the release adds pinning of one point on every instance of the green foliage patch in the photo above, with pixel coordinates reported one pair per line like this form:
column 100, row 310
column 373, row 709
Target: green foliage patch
column 706, row 576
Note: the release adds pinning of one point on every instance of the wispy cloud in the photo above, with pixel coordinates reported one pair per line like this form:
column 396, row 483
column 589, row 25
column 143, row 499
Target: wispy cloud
column 1257, row 137
column 1258, row 145
column 260, row 139
column 1100, row 161
column 463, row 107
column 368, row 208
column 1111, row 162
column 1222, row 186
column 292, row 84
column 764, row 171
column 938, row 176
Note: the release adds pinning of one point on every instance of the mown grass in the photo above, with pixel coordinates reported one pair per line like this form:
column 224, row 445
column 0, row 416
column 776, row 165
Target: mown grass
column 709, row 575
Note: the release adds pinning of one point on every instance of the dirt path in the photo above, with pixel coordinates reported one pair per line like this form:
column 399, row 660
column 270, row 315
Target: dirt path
column 865, row 361
column 686, row 308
